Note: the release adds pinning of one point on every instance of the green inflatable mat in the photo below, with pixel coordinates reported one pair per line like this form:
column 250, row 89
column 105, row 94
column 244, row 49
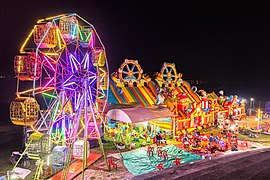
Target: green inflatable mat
column 138, row 162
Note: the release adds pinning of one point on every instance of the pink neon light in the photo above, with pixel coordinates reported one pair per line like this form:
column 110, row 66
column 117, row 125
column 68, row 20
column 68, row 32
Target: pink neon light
column 54, row 61
column 49, row 63
column 93, row 40
column 48, row 83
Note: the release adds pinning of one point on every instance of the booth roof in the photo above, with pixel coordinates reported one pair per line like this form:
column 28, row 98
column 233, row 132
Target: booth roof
column 139, row 114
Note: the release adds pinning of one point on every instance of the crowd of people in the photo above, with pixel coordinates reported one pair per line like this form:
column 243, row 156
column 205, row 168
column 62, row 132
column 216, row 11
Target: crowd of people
column 201, row 142
column 160, row 138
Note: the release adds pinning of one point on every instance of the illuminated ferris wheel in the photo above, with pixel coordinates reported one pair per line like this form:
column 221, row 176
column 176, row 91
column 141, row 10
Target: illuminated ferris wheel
column 168, row 72
column 62, row 79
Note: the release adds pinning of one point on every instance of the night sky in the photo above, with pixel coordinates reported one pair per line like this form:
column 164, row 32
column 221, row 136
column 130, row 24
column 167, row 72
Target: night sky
column 207, row 40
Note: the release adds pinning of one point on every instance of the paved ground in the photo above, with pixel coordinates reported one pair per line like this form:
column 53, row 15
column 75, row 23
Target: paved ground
column 253, row 164
column 10, row 140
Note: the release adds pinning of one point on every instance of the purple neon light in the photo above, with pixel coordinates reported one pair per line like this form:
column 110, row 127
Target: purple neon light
column 74, row 59
column 71, row 64
column 69, row 88
column 70, row 83
column 68, row 79
column 86, row 61
column 94, row 78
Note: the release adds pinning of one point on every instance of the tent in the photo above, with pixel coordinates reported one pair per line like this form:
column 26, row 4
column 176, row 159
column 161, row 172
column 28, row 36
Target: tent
column 139, row 114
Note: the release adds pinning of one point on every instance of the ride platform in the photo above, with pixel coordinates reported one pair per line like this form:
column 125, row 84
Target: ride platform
column 76, row 167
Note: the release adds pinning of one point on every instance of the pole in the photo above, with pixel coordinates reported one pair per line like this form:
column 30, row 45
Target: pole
column 85, row 155
column 259, row 118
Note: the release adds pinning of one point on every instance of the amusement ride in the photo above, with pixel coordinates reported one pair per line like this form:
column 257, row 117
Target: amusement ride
column 62, row 89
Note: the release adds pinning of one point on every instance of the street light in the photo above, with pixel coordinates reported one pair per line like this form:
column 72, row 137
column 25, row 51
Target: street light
column 251, row 103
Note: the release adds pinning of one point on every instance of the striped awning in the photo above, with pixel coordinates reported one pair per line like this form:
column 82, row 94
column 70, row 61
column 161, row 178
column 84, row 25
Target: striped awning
column 139, row 114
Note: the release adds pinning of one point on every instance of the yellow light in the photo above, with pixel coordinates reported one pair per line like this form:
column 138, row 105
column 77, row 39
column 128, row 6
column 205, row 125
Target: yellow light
column 30, row 90
column 52, row 53
column 59, row 33
column 259, row 114
column 50, row 18
column 19, row 65
column 58, row 38
column 24, row 43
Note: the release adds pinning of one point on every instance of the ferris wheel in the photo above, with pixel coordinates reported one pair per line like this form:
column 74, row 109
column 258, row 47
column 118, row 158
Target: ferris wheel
column 168, row 73
column 62, row 79
column 130, row 71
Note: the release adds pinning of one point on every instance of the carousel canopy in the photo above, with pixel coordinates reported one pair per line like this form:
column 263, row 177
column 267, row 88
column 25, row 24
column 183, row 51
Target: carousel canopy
column 139, row 114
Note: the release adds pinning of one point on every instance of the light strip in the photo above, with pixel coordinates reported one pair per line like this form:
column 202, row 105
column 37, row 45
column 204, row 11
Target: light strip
column 51, row 53
column 101, row 70
column 49, row 95
column 73, row 34
column 48, row 56
column 67, row 79
column 48, row 89
column 73, row 57
column 69, row 83
column 80, row 32
column 55, row 112
column 48, row 83
column 69, row 88
column 49, row 63
column 73, row 62
column 86, row 61
column 28, row 37
column 58, row 38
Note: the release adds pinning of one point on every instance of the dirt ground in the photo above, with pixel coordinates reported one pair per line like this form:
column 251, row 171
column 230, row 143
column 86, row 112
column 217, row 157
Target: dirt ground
column 98, row 171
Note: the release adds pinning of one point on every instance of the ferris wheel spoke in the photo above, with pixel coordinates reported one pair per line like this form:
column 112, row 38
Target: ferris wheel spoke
column 136, row 72
column 166, row 69
column 124, row 72
column 132, row 68
column 165, row 75
column 128, row 67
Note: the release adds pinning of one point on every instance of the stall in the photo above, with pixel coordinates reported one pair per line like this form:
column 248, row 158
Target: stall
column 129, row 125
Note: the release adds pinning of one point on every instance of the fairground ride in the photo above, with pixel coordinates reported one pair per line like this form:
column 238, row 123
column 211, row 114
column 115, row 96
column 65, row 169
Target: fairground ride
column 62, row 86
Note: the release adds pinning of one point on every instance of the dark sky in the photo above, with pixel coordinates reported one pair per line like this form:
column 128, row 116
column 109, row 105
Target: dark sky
column 208, row 40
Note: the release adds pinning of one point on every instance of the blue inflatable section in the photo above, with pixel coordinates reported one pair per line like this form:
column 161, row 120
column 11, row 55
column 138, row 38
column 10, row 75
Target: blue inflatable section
column 138, row 162
column 111, row 98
